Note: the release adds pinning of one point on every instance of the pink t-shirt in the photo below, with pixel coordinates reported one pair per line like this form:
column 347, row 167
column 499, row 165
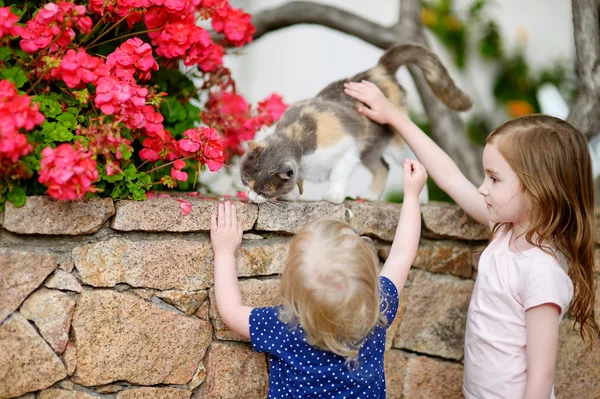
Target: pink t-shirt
column 508, row 284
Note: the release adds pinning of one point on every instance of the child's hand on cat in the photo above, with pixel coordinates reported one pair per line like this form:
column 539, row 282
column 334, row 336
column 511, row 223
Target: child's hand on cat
column 379, row 108
column 225, row 230
column 415, row 177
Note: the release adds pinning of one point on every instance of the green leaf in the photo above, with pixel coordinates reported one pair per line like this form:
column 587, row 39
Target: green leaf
column 130, row 172
column 5, row 53
column 17, row 196
column 172, row 110
column 15, row 75
column 55, row 132
column 49, row 107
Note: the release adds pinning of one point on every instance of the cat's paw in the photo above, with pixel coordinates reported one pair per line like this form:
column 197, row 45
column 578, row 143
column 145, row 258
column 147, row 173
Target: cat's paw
column 335, row 195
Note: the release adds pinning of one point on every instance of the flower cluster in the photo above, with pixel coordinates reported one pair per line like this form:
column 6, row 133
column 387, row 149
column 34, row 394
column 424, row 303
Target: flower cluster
column 67, row 171
column 7, row 23
column 16, row 113
column 231, row 114
column 106, row 114
column 53, row 26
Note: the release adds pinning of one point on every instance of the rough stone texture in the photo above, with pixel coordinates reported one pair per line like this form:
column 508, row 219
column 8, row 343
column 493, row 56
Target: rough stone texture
column 123, row 337
column 110, row 388
column 21, row 272
column 203, row 310
column 199, row 377
column 435, row 318
column 61, row 280
column 444, row 257
column 161, row 264
column 290, row 217
column 51, row 311
column 70, row 358
column 394, row 366
column 262, row 257
column 440, row 257
column 154, row 393
column 576, row 376
column 255, row 293
column 427, row 378
column 27, row 363
column 234, row 371
column 67, row 265
column 393, row 329
column 45, row 215
column 164, row 214
column 64, row 394
column 447, row 220
column 185, row 301
column 375, row 219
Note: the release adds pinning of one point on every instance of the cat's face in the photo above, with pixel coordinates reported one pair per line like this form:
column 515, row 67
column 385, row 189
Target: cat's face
column 267, row 172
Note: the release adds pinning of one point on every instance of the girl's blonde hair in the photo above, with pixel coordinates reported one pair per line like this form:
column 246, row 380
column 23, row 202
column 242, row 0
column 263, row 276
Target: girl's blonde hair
column 330, row 287
column 552, row 161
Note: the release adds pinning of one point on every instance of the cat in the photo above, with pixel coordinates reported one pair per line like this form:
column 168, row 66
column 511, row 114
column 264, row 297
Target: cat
column 326, row 138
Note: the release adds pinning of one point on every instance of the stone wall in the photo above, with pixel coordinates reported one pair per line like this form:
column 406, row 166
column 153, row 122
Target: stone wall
column 115, row 300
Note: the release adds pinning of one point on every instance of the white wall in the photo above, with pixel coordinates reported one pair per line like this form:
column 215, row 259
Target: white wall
column 299, row 61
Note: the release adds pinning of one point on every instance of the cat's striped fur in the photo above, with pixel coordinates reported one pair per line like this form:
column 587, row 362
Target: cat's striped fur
column 324, row 138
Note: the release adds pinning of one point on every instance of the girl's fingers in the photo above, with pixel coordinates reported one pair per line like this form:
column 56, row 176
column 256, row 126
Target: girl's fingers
column 227, row 214
column 234, row 220
column 221, row 217
column 240, row 228
column 213, row 221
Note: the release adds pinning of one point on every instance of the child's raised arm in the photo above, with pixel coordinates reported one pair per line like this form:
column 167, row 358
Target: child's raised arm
column 226, row 236
column 439, row 165
column 406, row 240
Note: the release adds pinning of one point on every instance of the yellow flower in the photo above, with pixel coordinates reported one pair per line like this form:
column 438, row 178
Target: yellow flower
column 428, row 17
column 453, row 23
column 516, row 108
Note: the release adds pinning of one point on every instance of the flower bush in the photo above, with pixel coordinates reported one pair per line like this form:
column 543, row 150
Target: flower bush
column 120, row 97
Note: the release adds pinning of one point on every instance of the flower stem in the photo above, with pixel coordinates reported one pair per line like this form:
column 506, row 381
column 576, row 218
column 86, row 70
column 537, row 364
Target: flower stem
column 121, row 37
column 167, row 164
column 108, row 30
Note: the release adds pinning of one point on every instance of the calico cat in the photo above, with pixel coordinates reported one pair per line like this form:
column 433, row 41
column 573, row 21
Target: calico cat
column 326, row 138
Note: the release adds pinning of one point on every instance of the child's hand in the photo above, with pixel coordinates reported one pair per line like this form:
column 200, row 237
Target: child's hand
column 225, row 230
column 415, row 177
column 379, row 109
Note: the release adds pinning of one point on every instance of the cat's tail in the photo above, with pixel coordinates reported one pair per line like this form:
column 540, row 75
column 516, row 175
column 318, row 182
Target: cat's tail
column 435, row 73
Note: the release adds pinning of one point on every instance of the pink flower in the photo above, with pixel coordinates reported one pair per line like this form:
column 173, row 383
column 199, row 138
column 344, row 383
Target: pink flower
column 67, row 171
column 176, row 172
column 235, row 23
column 16, row 112
column 54, row 21
column 273, row 106
column 7, row 23
column 78, row 67
column 185, row 207
column 123, row 98
column 131, row 58
column 177, row 38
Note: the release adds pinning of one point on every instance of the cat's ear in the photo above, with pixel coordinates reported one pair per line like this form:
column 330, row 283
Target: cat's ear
column 286, row 171
column 254, row 145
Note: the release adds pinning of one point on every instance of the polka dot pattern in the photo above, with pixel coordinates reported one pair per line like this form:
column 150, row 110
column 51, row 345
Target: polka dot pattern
column 299, row 370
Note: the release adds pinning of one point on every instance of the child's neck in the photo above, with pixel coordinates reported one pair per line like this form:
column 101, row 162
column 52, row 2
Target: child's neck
column 518, row 242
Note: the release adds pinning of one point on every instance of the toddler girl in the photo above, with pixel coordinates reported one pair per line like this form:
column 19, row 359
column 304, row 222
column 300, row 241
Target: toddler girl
column 327, row 339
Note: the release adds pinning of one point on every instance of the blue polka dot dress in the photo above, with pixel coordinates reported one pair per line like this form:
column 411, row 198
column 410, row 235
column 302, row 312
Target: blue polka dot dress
column 298, row 370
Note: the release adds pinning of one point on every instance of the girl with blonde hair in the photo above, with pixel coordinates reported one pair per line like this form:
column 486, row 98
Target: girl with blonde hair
column 327, row 339
column 538, row 199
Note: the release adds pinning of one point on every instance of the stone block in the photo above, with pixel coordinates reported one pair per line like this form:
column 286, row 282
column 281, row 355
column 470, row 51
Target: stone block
column 45, row 215
column 123, row 337
column 290, row 217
